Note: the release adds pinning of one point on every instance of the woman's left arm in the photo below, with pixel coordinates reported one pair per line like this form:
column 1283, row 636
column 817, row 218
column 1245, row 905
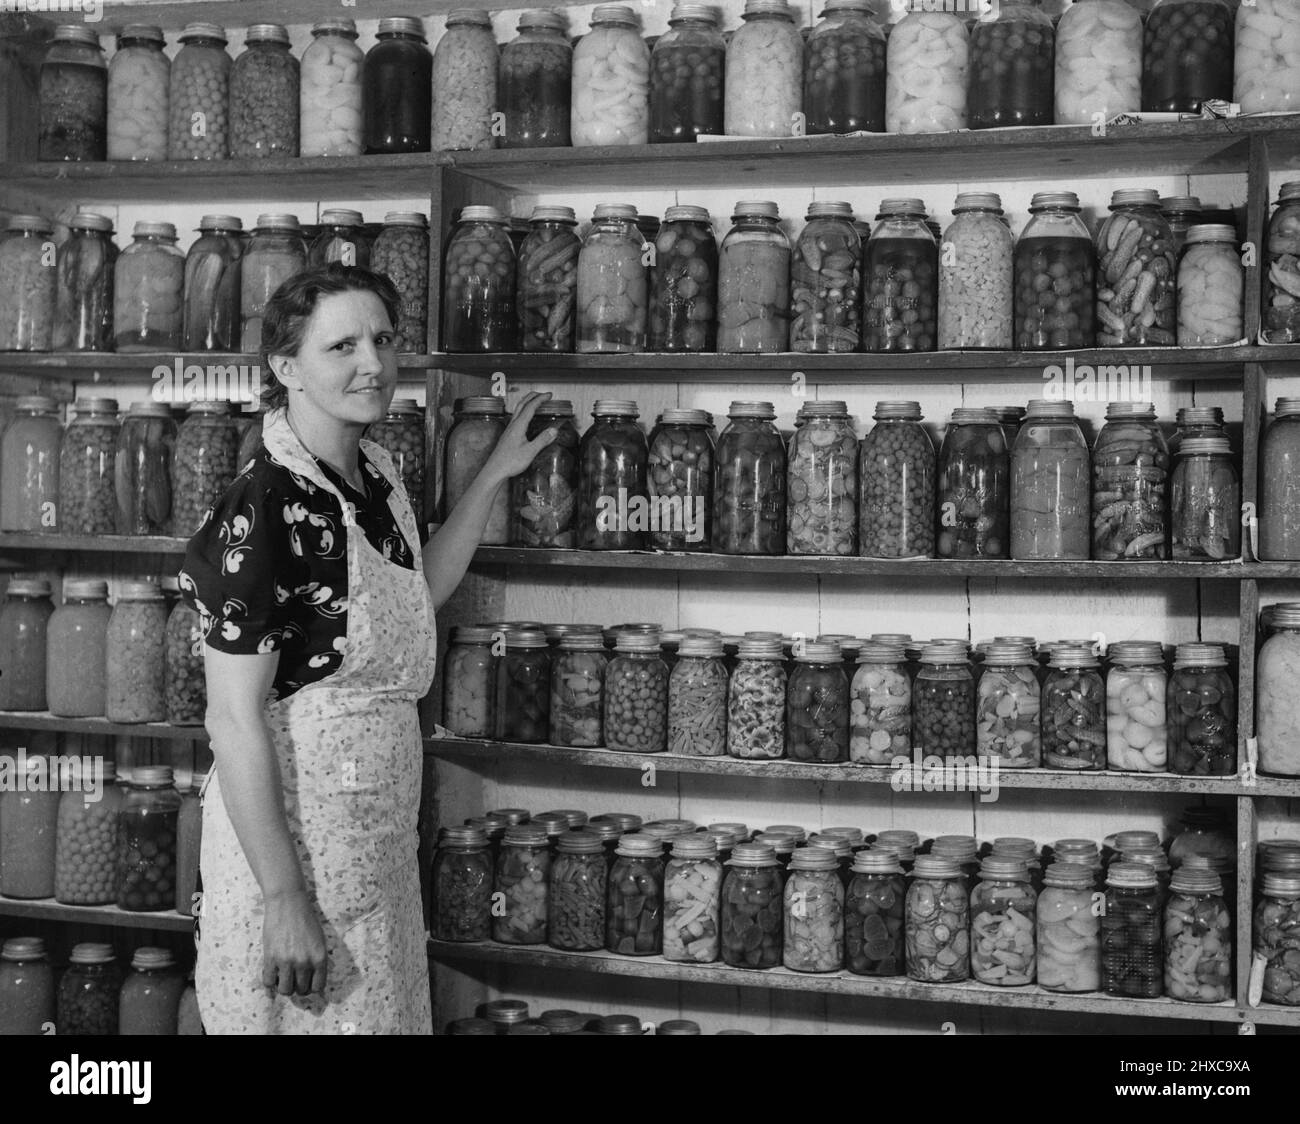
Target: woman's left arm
column 448, row 553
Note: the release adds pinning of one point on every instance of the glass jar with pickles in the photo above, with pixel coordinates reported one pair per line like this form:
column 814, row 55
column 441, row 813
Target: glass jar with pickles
column 1007, row 707
column 1130, row 473
column 204, row 462
column 138, row 80
column 264, row 96
column 611, row 80
column 543, row 496
column 143, row 469
column 88, row 992
column 73, row 96
column 844, row 70
column 1202, row 707
column 1137, row 273
column 1198, row 938
column 974, row 488
column 149, row 278
column 477, row 427
column 523, row 687
column 401, row 435
column 613, row 498
column 1098, row 61
column 396, row 81
column 76, row 651
column 146, row 842
column 896, row 479
column 764, row 79
column 1074, row 711
column 1276, row 931
column 211, row 320
column 1187, row 55
column 679, row 472
column 547, row 280
column 1212, row 288
column 976, row 299
column 578, row 690
column 135, row 688
column 401, row 253
column 83, row 305
column 275, row 253
column 87, row 503
column 330, row 90
column 1282, row 278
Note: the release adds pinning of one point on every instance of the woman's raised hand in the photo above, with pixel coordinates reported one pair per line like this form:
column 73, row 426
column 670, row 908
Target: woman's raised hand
column 514, row 452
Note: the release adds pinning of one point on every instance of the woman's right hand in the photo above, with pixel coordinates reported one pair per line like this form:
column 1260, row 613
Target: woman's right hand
column 293, row 945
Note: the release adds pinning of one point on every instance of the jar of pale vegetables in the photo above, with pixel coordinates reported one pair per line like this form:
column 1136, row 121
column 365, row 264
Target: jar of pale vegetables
column 1136, row 731
column 1211, row 288
column 330, row 91
column 1267, row 62
column 1098, row 62
column 975, row 275
column 611, row 81
column 1002, row 908
column 1068, row 930
column 138, row 78
column 764, row 85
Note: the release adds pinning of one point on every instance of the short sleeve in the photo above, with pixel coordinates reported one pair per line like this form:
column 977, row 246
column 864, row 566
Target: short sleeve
column 237, row 569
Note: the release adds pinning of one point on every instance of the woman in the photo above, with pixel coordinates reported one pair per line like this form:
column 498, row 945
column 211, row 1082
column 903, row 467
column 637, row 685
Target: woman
column 319, row 641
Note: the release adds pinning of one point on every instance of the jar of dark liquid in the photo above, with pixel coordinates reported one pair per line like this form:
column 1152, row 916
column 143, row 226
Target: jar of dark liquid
column 396, row 85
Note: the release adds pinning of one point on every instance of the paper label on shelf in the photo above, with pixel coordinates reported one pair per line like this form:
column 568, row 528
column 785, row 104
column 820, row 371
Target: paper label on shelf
column 1249, row 772
column 1255, row 988
column 1250, row 524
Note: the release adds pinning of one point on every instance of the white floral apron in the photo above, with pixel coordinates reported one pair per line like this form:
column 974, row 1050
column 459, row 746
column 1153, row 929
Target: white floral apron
column 349, row 753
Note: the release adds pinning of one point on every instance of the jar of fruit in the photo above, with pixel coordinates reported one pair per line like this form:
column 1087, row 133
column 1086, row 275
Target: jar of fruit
column 974, row 488
column 764, row 82
column 1282, row 276
column 611, row 81
column 754, row 281
column 826, row 280
column 1012, row 67
column 547, row 285
column 611, row 291
column 146, row 846
column 612, row 491
column 686, row 72
column 523, row 687
column 1202, row 706
column 896, row 479
column 1074, row 711
column 684, row 283
column 1056, row 267
column 73, row 96
column 1136, row 728
column 900, row 280
column 1187, row 55
column 534, row 80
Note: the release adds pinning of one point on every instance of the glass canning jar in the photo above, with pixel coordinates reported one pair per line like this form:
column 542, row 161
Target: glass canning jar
column 199, row 95
column 943, row 702
column 611, row 81
column 896, row 480
column 612, row 283
column 1187, row 55
column 29, row 814
column 76, row 651
column 1202, row 706
column 900, row 280
column 401, row 435
column 469, row 685
column 1206, row 502
column 578, row 690
column 1196, row 421
column 679, row 471
column 83, row 300
column 756, row 702
column 341, row 237
column 817, row 706
column 534, row 79
column 578, row 888
column 752, row 914
column 462, row 885
column 211, row 314
column 1136, row 720
column 148, row 280
column 396, row 77
column 634, row 901
column 1012, row 67
column 1132, row 953
column 975, row 276
column 73, row 96
column 749, row 483
column 813, row 938
column 763, row 90
column 329, row 91
column 693, row 901
column 1202, row 830
column 30, row 453
column 928, row 61
column 1198, row 938
column 401, row 253
column 880, row 723
column 684, row 283
column 822, row 482
column 464, row 82
column 138, row 80
column 1278, row 717
column 1002, row 909
column 185, row 689
column 135, row 647
column 478, row 425
column 1098, row 62
column 264, row 96
column 974, row 488
column 189, row 842
column 873, row 915
column 275, row 253
column 543, row 496
column 754, row 281
column 146, row 842
column 697, row 699
column 88, row 992
column 478, row 298
column 29, row 280
column 1056, row 267
column 1211, row 288
column 1130, row 476
column 937, row 922
column 149, row 1003
column 21, row 50
column 523, row 687
column 1282, row 277
column 1007, row 707
column 547, row 280
column 826, row 281
column 1074, row 711
column 636, row 695
column 1068, row 930
column 142, row 469
column 686, row 73
column 612, row 491
column 27, row 1003
column 1136, row 273
column 1267, row 58
column 844, row 70
column 1182, row 212
column 1276, row 931
column 204, row 462
column 1050, row 477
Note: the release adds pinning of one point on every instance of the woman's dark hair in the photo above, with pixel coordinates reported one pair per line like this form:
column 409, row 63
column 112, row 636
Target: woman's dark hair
column 284, row 321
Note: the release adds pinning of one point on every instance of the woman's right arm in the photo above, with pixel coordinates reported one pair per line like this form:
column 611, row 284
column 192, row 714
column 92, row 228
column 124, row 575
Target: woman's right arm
column 293, row 942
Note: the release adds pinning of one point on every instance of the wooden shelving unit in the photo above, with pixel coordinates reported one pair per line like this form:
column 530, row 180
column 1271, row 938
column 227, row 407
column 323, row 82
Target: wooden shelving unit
column 47, row 909
column 35, row 720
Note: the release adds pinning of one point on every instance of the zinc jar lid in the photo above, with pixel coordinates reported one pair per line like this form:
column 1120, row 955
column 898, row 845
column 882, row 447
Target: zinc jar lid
column 575, row 817
column 481, row 404
column 504, row 1010
column 897, row 410
column 560, row 1020
column 1129, row 652
column 1049, row 408
column 341, row 216
column 706, row 647
column 536, row 18
column 207, row 406
column 526, row 638
column 675, row 416
column 854, row 835
column 609, row 13
column 614, row 211
column 1068, row 655
column 816, row 652
column 1119, row 410
column 615, row 408
column 1004, row 868
column 140, row 591
column 1200, row 655
column 336, row 25
column 91, row 220
column 640, row 642
column 556, row 408
column 1286, row 614
column 686, row 212
column 640, row 846
column 1204, row 446
column 405, row 218
column 692, row 12
column 1068, row 876
column 936, row 866
column 760, row 208
column 401, row 25
column 409, row 406
column 1289, row 191
column 277, row 221
column 582, row 642
column 794, row 831
column 32, row 224
column 881, row 652
column 86, row 589
column 1127, row 840
column 95, row 406
column 846, row 643
column 678, row 1026
column 604, row 830
column 899, row 835
column 149, row 31
column 876, row 862
column 954, row 845
column 267, row 33
column 1007, row 653
column 472, row 634
column 830, row 209
column 1180, row 203
column 480, row 213
column 1195, row 880
column 1045, row 200
column 849, row 6
column 1086, row 847
column 1278, row 886
column 697, row 845
column 469, row 16
column 1131, row 876
column 151, row 776
column 841, row 848
column 754, row 649
column 91, row 952
column 203, row 31
column 1285, row 407
column 758, row 7
column 154, row 230
column 752, row 855
column 152, row 959
column 830, row 408
column 781, row 843
column 621, row 1024
column 765, row 411
column 626, row 821
column 977, row 201
column 76, row 33
column 463, row 836
column 739, row 831
column 1154, row 857
column 525, row 835
column 895, row 207
column 1015, row 845
column 23, row 948
column 512, row 816
column 547, row 213
column 553, row 823
column 944, row 652
column 1211, row 232
column 580, row 843
column 220, row 222
column 149, row 410
column 977, row 415
column 1134, row 197
column 814, row 858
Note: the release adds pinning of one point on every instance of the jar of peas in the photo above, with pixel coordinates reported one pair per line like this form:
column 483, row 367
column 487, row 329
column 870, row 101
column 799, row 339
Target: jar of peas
column 636, row 695
column 896, row 479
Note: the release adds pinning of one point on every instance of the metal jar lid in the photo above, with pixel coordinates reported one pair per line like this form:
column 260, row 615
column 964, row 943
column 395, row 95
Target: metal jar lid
column 814, row 858
column 1127, row 840
column 1117, row 411
column 1134, row 197
column 149, row 31
column 1195, row 880
column 508, row 1011
column 140, row 591
column 220, row 222
column 1068, row 876
column 580, row 843
column 640, row 846
column 341, row 216
column 1131, row 876
column 85, row 589
column 758, row 208
column 830, row 209
column 463, row 837
column 76, row 33
column 405, row 218
column 475, row 16
column 896, row 410
column 277, row 221
column 1211, row 232
column 936, row 866
column 1180, row 203
column 401, row 25
column 539, row 18
column 1004, row 868
column 23, row 948
column 1045, row 200
column 675, row 416
column 91, row 220
column 31, row 224
column 525, row 835
column 765, row 411
column 1127, row 653
column 678, row 1026
column 696, row 845
column 614, row 211
column 91, row 952
column 203, row 31
column 686, row 212
column 613, row 13
column 1068, row 655
column 335, row 25
column 615, row 408
column 479, row 213
column 752, row 855
column 1199, row 655
column 876, row 862
column 814, row 652
column 895, row 208
column 267, row 33
column 977, row 201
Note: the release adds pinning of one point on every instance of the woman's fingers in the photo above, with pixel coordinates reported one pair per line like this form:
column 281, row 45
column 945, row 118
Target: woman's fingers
column 302, row 979
column 528, row 407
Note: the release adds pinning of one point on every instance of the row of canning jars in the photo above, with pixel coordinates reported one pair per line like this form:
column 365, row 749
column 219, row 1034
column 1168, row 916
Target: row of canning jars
column 76, row 833
column 870, row 706
column 511, row 1016
column 1043, row 495
column 903, row 287
column 92, row 996
column 82, row 295
column 144, row 475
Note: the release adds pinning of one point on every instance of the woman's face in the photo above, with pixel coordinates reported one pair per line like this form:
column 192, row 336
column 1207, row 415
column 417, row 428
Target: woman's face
column 347, row 366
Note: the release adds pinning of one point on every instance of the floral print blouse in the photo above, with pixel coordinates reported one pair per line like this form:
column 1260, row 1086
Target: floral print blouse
column 267, row 569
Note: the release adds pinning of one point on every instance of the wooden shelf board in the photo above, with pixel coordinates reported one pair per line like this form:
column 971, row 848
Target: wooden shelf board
column 92, row 544
column 139, row 364
column 35, row 720
column 1031, row 779
column 171, row 15
column 844, row 983
column 47, row 909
